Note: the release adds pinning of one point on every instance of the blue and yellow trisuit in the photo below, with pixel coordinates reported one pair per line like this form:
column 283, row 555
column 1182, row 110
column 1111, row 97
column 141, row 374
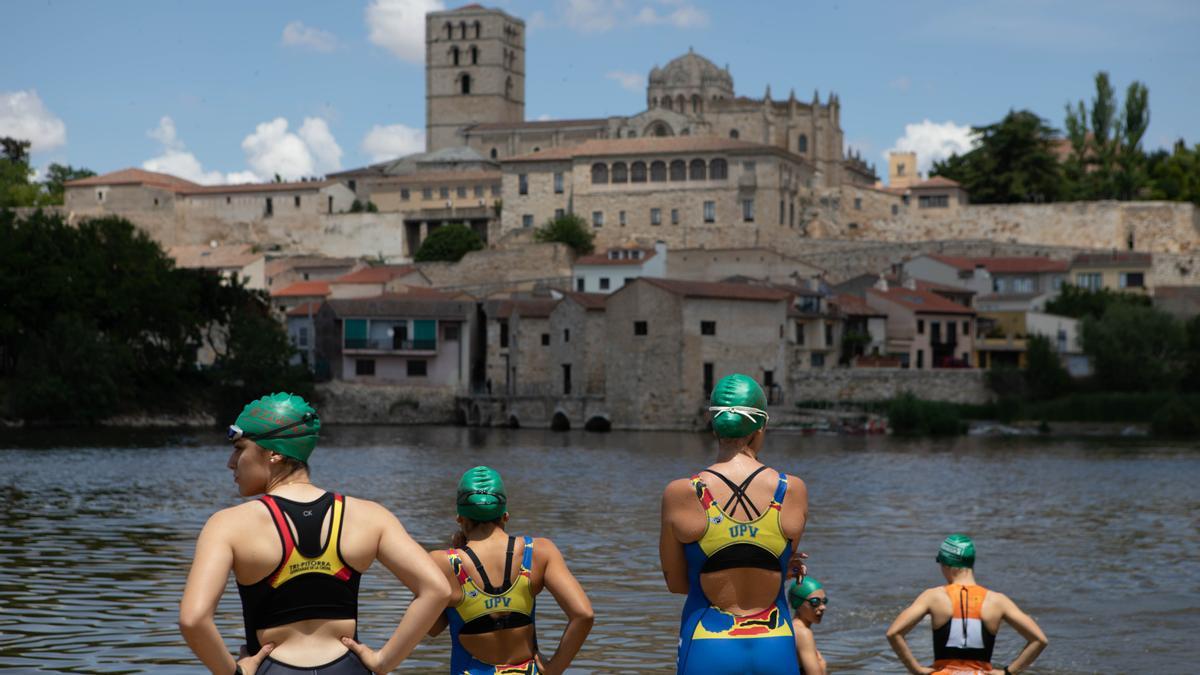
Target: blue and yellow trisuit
column 486, row 610
column 713, row 641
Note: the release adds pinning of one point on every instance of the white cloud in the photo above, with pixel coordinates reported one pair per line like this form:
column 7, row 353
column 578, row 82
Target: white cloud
column 175, row 159
column 685, row 16
column 599, row 16
column 296, row 34
column 392, row 141
column 239, row 177
column 545, row 117
column 272, row 149
column 933, row 141
column 23, row 116
column 635, row 82
column 399, row 26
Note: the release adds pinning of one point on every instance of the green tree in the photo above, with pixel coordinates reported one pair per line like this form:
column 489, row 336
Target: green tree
column 1078, row 303
column 448, row 243
column 1135, row 348
column 568, row 229
column 1175, row 175
column 59, row 174
column 16, row 185
column 1013, row 161
column 1107, row 160
column 1045, row 376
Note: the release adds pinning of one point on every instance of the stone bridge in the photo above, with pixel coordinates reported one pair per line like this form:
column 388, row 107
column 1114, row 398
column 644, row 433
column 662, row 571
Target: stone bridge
column 539, row 412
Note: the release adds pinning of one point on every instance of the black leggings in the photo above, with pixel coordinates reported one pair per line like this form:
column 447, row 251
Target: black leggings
column 346, row 664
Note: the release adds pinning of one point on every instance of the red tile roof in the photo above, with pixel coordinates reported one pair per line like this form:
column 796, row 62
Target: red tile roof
column 423, row 292
column 297, row 186
column 603, row 147
column 1011, row 265
column 132, row 176
column 534, row 308
column 936, row 182
column 533, row 125
column 925, row 302
column 852, row 305
column 590, row 301
column 718, row 290
column 303, row 289
column 374, row 275
column 1113, row 258
column 305, row 308
column 434, row 177
column 603, row 259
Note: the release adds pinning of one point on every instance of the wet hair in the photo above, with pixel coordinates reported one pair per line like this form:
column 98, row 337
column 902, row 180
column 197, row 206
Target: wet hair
column 459, row 538
column 291, row 465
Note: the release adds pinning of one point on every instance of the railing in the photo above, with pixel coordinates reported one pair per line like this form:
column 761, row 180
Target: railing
column 390, row 345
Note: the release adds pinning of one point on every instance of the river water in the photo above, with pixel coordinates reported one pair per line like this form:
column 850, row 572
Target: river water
column 1099, row 540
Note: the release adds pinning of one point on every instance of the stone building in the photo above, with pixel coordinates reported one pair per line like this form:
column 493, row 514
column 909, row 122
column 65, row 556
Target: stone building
column 609, row 270
column 287, row 270
column 683, row 191
column 231, row 261
column 1126, row 271
column 668, row 341
column 924, row 329
column 518, row 354
column 372, row 281
column 577, row 334
column 720, row 264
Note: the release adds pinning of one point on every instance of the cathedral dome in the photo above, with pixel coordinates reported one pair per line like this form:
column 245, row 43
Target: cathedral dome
column 694, row 72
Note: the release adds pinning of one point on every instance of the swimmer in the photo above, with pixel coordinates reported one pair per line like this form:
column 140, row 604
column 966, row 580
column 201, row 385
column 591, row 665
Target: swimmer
column 808, row 602
column 298, row 553
column 491, row 617
column 728, row 540
column 965, row 618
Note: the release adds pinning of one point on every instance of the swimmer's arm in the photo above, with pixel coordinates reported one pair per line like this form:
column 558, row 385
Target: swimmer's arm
column 905, row 622
column 806, row 649
column 1035, row 639
column 415, row 569
column 795, row 504
column 205, row 583
column 571, row 598
column 670, row 550
column 443, row 563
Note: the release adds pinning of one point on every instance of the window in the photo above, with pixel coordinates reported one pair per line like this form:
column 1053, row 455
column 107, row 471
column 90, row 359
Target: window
column 710, row 212
column 620, row 173
column 674, row 216
column 229, row 200
column 748, row 210
column 302, row 336
column 817, row 360
column 895, row 209
column 527, row 220
column 1022, row 285
column 597, row 219
column 269, row 210
column 566, row 335
column 100, row 196
column 503, row 334
column 708, row 327
column 465, row 81
column 545, row 339
column 920, row 358
column 496, row 190
column 417, row 367
column 427, row 193
column 454, row 55
column 494, row 153
column 858, row 203
column 900, row 169
column 708, row 379
column 364, row 367
column 802, row 144
column 718, row 170
column 733, row 133
column 579, row 284
column 828, row 335
column 559, row 213
column 478, row 190
column 933, row 201
column 792, row 214
column 474, row 55
column 404, row 194
column 799, row 333
column 566, row 375
column 782, row 211
column 604, row 283
column 920, row 326
column 966, row 328
column 697, row 170
column 1132, row 280
column 558, row 183
column 461, row 192
column 621, row 217
column 1089, row 280
column 656, row 216
column 678, row 170
column 637, row 172
column 156, row 201
column 658, row 172
column 640, row 328
column 523, row 184
column 450, row 332
column 749, row 167
column 444, row 192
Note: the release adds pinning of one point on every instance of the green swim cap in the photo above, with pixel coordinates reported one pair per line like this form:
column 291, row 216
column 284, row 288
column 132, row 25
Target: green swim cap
column 798, row 592
column 481, row 495
column 957, row 551
column 739, row 406
column 282, row 423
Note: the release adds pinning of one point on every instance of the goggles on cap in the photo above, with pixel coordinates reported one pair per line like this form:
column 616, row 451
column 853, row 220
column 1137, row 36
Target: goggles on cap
column 236, row 433
column 742, row 410
column 464, row 498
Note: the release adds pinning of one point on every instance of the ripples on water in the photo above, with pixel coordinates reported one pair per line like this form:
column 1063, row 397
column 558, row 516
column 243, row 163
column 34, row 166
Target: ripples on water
column 1098, row 540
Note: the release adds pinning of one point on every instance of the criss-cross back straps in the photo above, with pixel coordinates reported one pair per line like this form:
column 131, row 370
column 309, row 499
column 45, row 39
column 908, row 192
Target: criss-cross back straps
column 739, row 496
column 508, row 558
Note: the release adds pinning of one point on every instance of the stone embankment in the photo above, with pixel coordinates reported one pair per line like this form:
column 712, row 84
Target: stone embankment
column 344, row 403
column 860, row 385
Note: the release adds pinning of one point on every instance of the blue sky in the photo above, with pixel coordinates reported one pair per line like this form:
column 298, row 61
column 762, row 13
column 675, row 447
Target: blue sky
column 223, row 90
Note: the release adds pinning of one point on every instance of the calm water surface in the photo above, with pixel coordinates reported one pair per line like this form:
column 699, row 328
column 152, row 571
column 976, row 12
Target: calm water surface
column 1099, row 540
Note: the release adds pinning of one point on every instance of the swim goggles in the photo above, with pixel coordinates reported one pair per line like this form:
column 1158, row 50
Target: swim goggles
column 745, row 411
column 236, row 433
column 816, row 602
column 464, row 498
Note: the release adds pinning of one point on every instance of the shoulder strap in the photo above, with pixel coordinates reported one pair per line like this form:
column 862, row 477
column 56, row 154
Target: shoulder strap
column 508, row 560
column 781, row 488
column 487, row 583
column 281, row 524
column 527, row 558
column 456, row 566
column 738, row 493
column 702, row 493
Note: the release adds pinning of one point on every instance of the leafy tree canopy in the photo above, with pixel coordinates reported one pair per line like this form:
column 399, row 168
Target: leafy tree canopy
column 568, row 229
column 1135, row 348
column 17, row 187
column 448, row 243
column 1078, row 303
column 1013, row 162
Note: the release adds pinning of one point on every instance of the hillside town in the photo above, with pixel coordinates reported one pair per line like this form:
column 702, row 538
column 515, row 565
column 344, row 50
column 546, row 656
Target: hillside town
column 732, row 234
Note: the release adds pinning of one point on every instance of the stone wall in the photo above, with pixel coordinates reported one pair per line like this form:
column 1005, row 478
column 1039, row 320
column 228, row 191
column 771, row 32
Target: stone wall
column 346, row 403
column 501, row 268
column 878, row 384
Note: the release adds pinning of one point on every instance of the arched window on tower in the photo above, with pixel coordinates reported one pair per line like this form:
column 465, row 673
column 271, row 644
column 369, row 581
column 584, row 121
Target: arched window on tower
column 666, row 102
column 696, row 103
column 462, row 29
column 599, row 173
column 697, row 169
column 494, row 153
column 474, row 55
column 733, row 133
column 637, row 172
column 476, row 30
column 454, row 54
column 680, row 103
column 653, row 103
column 718, row 169
column 449, row 31
column 678, row 170
column 508, row 85
column 620, row 174
column 464, row 81
column 658, row 172
column 802, row 143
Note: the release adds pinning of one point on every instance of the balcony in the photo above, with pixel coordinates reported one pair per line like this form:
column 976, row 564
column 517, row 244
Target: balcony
column 388, row 345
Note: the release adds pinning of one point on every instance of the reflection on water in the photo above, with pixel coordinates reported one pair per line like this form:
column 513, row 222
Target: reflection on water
column 1098, row 540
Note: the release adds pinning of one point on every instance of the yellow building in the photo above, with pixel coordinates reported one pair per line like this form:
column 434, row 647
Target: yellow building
column 1126, row 271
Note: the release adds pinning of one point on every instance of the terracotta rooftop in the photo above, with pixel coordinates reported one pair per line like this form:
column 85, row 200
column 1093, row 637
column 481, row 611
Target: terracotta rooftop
column 277, row 266
column 132, row 176
column 306, row 308
column 536, row 308
column 1114, row 258
column 429, row 177
column 601, row 147
column 295, row 186
column 374, row 275
column 534, row 125
column 204, row 256
column 604, row 259
column 1011, row 265
column 921, row 301
column 590, row 301
column 401, row 305
column 717, row 290
column 852, row 305
column 936, row 182
column 303, row 289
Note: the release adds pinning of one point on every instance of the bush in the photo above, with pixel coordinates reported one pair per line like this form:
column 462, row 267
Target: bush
column 448, row 243
column 568, row 229
column 1176, row 418
column 1045, row 377
column 909, row 415
column 356, row 206
column 1135, row 348
column 371, row 208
